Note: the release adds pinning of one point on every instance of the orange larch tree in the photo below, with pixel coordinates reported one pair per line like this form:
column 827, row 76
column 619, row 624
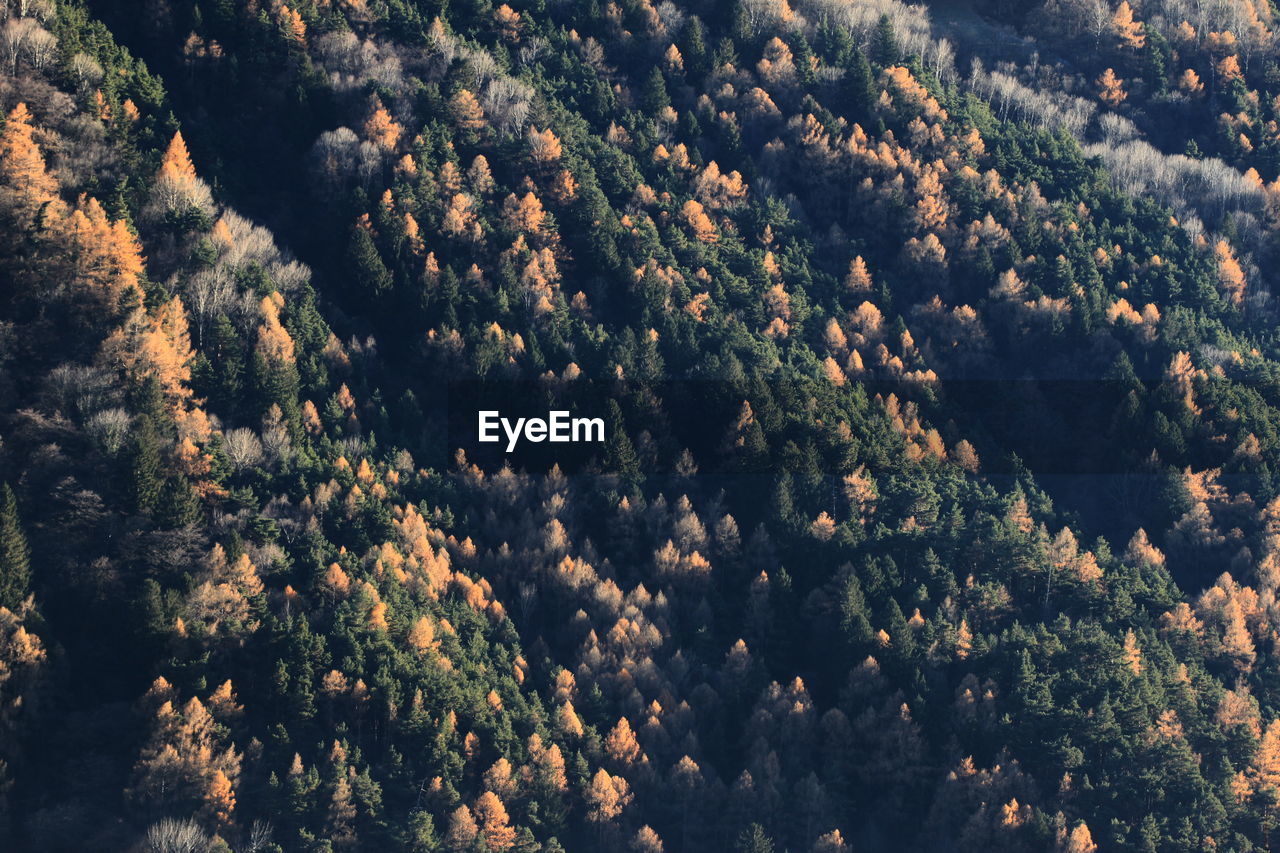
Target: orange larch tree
column 22, row 166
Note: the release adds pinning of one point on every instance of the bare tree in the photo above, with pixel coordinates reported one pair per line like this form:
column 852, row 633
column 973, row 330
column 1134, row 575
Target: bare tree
column 243, row 448
column 209, row 292
column 482, row 68
column 176, row 836
column 506, row 102
column 259, row 836
column 41, row 48
column 109, row 429
column 86, row 70
column 14, row 36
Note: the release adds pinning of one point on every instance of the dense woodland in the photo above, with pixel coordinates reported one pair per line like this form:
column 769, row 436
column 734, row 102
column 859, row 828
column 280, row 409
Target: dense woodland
column 940, row 502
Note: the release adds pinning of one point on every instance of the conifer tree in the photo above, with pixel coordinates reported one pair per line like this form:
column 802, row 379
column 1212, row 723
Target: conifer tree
column 15, row 554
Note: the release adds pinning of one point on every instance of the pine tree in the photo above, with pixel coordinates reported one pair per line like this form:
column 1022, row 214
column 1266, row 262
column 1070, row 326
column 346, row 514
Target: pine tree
column 884, row 43
column 178, row 505
column 146, row 475
column 365, row 265
column 620, row 454
column 754, row 839
column 15, row 555
column 653, row 97
column 857, row 91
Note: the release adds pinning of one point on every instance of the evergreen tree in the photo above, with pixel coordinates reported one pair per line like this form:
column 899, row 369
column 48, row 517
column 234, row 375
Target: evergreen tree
column 365, row 266
column 884, row 43
column 15, row 555
column 146, row 478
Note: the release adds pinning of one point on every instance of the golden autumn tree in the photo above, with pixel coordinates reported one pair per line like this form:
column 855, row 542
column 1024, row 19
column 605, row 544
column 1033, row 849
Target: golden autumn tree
column 524, row 214
column 606, row 797
column 1077, row 840
column 1127, row 30
column 26, row 181
column 646, row 841
column 462, row 830
column 104, row 257
column 292, row 26
column 620, row 744
column 274, row 341
column 494, row 824
column 177, row 187
column 1231, row 276
column 698, row 221
column 1267, row 761
column 466, row 112
column 1228, row 68
column 508, row 22
column 1111, row 88
column 220, row 798
column 380, row 128
column 858, row 278
column 186, row 760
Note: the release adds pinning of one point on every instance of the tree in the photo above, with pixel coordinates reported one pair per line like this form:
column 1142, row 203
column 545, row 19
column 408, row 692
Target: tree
column 754, row 839
column 177, row 190
column 462, row 831
column 467, row 114
column 646, row 841
column 176, row 836
column 1079, row 840
column 653, row 97
column 15, row 555
column 1230, row 275
column 1127, row 30
column 494, row 823
column 146, row 481
column 365, row 265
column 606, row 797
column 22, row 166
column 859, row 277
column 884, row 43
column 701, row 225
column 380, row 128
column 1111, row 88
column 621, row 743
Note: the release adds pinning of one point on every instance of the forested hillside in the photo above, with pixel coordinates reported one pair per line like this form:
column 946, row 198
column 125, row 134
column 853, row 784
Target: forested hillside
column 939, row 506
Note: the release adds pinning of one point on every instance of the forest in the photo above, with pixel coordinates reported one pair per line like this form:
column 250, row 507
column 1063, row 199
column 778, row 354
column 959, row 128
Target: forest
column 936, row 350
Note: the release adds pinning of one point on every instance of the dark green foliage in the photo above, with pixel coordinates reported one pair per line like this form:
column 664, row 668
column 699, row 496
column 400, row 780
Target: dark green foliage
column 15, row 553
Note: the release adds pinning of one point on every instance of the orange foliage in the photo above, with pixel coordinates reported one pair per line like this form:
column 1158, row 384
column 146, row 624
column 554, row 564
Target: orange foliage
column 703, row 228
column 22, row 166
column 494, row 823
column 1111, row 88
column 381, row 128
column 1126, row 28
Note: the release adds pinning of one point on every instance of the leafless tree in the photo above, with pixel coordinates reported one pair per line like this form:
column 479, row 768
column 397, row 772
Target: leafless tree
column 209, row 292
column 506, row 102
column 533, row 48
column 109, row 429
column 259, row 836
column 86, row 70
column 481, row 68
column 15, row 35
column 41, row 48
column 243, row 448
column 176, row 836
column 340, row 156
